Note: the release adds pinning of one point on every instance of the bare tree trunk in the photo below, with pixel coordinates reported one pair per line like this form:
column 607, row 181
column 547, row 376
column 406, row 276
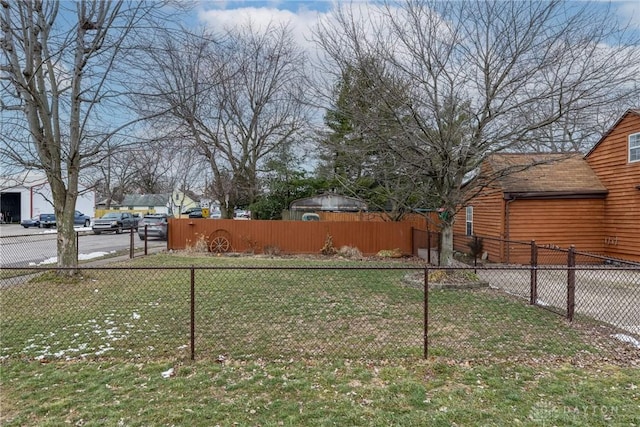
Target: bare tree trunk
column 58, row 79
column 446, row 244
column 66, row 241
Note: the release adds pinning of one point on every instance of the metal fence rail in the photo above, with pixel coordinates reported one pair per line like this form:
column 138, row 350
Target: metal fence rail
column 305, row 311
column 29, row 250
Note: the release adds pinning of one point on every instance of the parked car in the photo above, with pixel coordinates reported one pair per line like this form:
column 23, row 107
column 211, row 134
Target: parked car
column 154, row 225
column 310, row 217
column 195, row 213
column 47, row 220
column 241, row 214
column 115, row 222
column 81, row 219
column 31, row 222
column 190, row 210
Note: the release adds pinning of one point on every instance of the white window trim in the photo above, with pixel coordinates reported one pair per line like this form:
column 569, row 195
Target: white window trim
column 468, row 220
column 636, row 147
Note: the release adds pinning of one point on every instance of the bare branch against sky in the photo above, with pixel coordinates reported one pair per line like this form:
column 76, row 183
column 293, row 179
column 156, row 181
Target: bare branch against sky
column 483, row 77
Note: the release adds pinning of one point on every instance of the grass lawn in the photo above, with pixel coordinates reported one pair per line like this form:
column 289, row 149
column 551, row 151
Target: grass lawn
column 299, row 347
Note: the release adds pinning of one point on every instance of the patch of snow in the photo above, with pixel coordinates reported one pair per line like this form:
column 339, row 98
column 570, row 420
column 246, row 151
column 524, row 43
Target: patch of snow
column 92, row 255
column 55, row 230
column 628, row 339
column 542, row 303
column 81, row 257
column 103, row 350
column 52, row 260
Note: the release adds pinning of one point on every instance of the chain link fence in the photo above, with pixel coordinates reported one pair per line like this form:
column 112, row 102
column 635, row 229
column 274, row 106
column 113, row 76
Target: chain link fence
column 306, row 311
column 28, row 250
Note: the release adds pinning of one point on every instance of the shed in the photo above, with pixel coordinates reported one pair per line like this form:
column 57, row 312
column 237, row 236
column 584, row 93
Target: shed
column 329, row 202
column 324, row 203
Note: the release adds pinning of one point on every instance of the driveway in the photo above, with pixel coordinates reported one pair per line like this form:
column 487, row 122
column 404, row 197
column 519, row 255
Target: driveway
column 608, row 294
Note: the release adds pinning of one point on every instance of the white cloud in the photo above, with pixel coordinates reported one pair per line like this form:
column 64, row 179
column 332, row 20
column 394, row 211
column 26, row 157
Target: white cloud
column 301, row 22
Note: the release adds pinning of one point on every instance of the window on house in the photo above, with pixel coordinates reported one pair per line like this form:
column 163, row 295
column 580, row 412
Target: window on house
column 634, row 147
column 469, row 221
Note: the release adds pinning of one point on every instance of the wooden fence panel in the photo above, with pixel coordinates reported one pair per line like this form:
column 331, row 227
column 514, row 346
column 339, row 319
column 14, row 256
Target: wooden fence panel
column 305, row 237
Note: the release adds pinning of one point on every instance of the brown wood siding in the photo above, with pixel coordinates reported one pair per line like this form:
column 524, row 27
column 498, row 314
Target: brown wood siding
column 610, row 161
column 294, row 236
column 557, row 223
column 488, row 221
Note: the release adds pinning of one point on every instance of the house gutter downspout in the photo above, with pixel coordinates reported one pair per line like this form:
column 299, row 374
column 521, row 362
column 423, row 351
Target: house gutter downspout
column 507, row 236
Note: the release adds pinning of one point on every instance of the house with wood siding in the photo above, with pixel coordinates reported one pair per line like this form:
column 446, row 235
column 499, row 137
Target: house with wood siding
column 592, row 202
column 616, row 161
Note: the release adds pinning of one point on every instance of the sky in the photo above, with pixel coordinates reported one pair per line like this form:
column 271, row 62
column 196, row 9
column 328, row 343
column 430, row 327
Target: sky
column 303, row 14
column 300, row 15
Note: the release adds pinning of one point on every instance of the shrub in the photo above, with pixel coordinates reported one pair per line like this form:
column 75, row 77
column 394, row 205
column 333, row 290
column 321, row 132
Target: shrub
column 350, row 252
column 200, row 245
column 476, row 246
column 272, row 250
column 390, row 253
column 328, row 248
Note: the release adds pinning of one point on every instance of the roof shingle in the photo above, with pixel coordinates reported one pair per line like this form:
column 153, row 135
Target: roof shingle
column 146, row 199
column 545, row 173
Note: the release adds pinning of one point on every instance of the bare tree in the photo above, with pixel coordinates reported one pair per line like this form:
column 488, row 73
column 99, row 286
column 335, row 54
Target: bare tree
column 485, row 76
column 237, row 96
column 60, row 94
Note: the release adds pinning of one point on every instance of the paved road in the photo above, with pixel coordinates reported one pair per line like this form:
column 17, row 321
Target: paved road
column 32, row 246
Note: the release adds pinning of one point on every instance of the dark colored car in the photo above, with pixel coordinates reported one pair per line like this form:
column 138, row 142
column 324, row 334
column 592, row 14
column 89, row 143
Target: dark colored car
column 81, row 219
column 47, row 220
column 115, row 222
column 154, row 225
column 195, row 213
column 31, row 222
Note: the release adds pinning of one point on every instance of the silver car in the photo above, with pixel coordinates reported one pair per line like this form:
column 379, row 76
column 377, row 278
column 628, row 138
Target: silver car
column 153, row 225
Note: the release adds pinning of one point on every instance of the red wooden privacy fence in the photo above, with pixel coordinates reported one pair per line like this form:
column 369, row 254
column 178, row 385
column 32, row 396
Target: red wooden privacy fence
column 291, row 236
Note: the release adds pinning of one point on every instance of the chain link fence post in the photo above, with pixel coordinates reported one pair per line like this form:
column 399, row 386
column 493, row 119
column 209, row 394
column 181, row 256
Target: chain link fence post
column 131, row 243
column 426, row 312
column 571, row 282
column 192, row 337
column 533, row 298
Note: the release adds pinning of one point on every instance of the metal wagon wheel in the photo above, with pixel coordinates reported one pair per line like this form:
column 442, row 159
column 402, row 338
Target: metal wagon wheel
column 220, row 241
